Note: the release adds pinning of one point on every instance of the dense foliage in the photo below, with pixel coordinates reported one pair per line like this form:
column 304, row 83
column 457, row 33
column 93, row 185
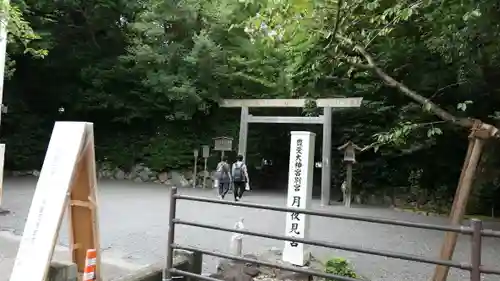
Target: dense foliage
column 150, row 73
column 340, row 267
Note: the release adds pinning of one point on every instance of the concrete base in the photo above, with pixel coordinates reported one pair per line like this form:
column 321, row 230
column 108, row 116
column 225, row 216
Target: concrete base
column 183, row 260
column 149, row 273
column 62, row 271
column 9, row 243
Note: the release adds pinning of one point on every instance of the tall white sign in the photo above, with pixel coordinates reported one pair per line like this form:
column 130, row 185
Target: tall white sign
column 49, row 202
column 300, row 180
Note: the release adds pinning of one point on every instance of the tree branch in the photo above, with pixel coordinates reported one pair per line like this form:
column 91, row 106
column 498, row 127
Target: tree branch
column 446, row 87
column 479, row 128
column 355, row 64
column 337, row 19
column 427, row 104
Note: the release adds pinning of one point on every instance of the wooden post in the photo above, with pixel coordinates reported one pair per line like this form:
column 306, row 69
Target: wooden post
column 205, row 172
column 460, row 204
column 462, row 173
column 195, row 168
column 67, row 182
column 347, row 200
column 84, row 225
column 205, row 154
column 349, row 158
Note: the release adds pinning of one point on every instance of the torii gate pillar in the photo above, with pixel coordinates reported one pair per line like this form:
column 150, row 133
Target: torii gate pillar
column 242, row 142
column 325, row 120
column 326, row 169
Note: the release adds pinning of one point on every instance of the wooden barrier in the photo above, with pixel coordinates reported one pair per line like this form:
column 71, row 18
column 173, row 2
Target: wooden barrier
column 67, row 182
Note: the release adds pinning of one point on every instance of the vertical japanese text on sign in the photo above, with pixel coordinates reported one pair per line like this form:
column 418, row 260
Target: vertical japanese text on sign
column 299, row 194
column 297, row 186
column 298, row 165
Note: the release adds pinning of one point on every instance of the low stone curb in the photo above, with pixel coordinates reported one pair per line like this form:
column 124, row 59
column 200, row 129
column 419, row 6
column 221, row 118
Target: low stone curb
column 425, row 213
column 183, row 260
column 138, row 173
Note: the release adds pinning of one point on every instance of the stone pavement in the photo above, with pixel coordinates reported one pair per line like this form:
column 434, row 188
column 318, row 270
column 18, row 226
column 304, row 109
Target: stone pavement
column 133, row 224
column 111, row 267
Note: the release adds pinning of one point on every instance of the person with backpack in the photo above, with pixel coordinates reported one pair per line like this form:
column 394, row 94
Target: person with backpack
column 240, row 177
column 223, row 177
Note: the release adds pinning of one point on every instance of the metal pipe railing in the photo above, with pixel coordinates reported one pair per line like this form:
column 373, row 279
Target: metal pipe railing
column 475, row 256
column 475, row 230
column 491, row 271
column 333, row 245
column 490, row 233
column 167, row 274
column 457, row 229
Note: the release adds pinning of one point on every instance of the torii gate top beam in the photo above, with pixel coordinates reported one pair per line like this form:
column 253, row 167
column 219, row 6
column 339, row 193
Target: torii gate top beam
column 335, row 102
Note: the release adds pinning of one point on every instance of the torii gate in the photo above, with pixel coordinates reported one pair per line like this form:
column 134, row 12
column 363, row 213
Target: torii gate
column 325, row 120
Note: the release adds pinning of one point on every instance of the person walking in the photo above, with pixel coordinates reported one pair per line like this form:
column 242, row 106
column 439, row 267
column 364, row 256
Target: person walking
column 241, row 181
column 223, row 177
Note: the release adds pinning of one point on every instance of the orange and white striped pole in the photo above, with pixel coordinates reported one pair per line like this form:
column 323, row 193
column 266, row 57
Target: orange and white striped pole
column 89, row 273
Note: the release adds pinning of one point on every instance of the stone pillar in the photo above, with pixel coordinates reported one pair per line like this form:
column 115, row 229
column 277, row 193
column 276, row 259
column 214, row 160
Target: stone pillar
column 300, row 183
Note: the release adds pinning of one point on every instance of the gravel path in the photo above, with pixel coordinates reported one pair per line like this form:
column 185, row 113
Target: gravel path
column 133, row 222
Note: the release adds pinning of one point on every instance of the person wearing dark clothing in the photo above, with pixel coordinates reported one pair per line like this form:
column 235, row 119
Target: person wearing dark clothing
column 223, row 177
column 241, row 181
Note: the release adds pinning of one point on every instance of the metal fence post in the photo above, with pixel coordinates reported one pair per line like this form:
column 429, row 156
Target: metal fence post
column 476, row 249
column 167, row 275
